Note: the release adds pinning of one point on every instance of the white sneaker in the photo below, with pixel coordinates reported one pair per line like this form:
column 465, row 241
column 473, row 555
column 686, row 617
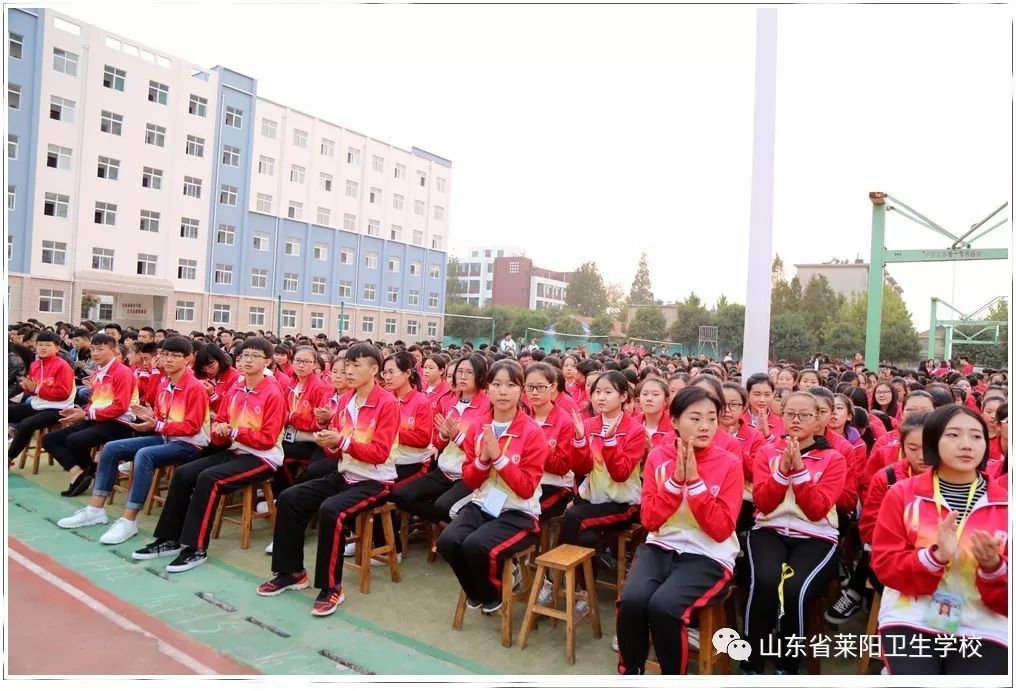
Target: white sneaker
column 121, row 531
column 125, row 467
column 262, row 507
column 85, row 516
column 614, row 645
column 350, row 550
column 546, row 594
column 381, row 561
column 268, row 549
column 581, row 606
column 516, row 578
column 693, row 638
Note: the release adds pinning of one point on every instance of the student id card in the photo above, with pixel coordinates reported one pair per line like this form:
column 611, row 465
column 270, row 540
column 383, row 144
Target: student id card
column 290, row 434
column 945, row 612
column 494, row 502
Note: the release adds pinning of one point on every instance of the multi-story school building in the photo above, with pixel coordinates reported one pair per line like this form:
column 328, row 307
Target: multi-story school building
column 168, row 194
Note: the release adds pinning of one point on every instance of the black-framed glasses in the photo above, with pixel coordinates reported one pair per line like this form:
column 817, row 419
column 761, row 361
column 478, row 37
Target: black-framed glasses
column 803, row 417
column 537, row 388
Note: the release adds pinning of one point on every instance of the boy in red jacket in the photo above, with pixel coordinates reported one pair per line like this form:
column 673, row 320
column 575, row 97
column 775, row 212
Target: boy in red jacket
column 175, row 432
column 103, row 420
column 252, row 420
column 48, row 388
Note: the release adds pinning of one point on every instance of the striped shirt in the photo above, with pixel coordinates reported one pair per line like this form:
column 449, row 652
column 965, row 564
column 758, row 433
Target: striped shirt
column 956, row 495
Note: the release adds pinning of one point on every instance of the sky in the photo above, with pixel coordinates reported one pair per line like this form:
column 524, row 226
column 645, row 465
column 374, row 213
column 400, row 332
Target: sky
column 596, row 133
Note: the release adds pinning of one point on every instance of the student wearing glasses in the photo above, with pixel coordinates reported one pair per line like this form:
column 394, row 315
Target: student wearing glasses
column 250, row 421
column 750, row 439
column 307, row 393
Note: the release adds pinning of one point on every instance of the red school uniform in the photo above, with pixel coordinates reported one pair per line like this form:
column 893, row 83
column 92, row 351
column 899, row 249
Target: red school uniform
column 664, row 431
column 300, row 405
column 877, row 490
column 776, row 429
column 559, row 430
column 223, row 384
column 611, row 465
column 366, row 453
column 436, row 393
column 256, row 417
column 113, row 392
column 55, row 380
column 452, row 450
column 516, row 472
column 181, row 410
column 416, row 429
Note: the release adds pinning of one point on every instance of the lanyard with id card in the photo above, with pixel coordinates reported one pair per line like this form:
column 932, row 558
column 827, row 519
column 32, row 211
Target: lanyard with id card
column 945, row 608
column 495, row 500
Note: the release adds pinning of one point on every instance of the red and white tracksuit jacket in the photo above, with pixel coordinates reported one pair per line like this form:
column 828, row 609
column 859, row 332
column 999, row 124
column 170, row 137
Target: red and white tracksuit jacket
column 366, row 453
column 611, row 466
column 452, row 454
column 256, row 417
column 113, row 393
column 803, row 504
column 697, row 517
column 664, row 432
column 876, row 494
column 181, row 410
column 516, row 472
column 416, row 429
column 748, row 441
column 559, row 431
column 223, row 384
column 901, row 557
column 434, row 395
column 56, row 384
column 313, row 393
column 149, row 383
column 847, row 501
column 775, row 422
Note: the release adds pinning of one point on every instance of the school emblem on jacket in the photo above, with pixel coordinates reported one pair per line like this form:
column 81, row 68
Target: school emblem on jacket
column 516, row 458
column 411, row 421
column 818, row 476
column 257, row 410
column 552, row 443
column 714, row 490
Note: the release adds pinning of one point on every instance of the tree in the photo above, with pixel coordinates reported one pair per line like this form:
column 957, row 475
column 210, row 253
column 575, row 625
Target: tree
column 586, row 293
column 453, row 292
column 602, row 325
column 617, row 304
column 790, row 337
column 899, row 342
column 466, row 329
column 819, row 302
column 786, row 296
column 641, row 288
column 567, row 324
column 844, row 333
column 729, row 318
column 648, row 323
column 691, row 314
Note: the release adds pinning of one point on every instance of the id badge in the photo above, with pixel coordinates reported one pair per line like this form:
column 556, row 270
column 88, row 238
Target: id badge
column 945, row 612
column 494, row 502
column 290, row 434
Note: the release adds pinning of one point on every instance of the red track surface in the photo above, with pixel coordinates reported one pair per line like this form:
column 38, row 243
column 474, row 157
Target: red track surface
column 51, row 632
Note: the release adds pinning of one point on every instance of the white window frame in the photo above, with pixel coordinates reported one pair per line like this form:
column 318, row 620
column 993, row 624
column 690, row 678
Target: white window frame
column 65, row 62
column 151, row 178
column 13, row 143
column 413, row 300
column 223, row 274
column 295, row 210
column 198, row 105
column 300, row 138
column 378, row 164
column 394, row 265
column 184, row 310
column 256, row 316
column 370, row 292
column 60, row 202
column 263, row 203
column 114, row 78
column 370, row 260
column 347, row 255
column 289, row 319
column 62, row 156
column 260, row 242
column 292, row 247
column 56, row 251
column 320, row 252
column 112, row 122
column 64, row 108
column 103, row 258
column 327, row 148
column 417, row 237
column 229, row 195
column 317, row 321
column 13, row 96
column 415, row 268
column 192, row 187
column 51, row 299
column 258, row 278
column 297, row 174
column 318, row 285
column 148, row 264
column 234, row 117
column 392, row 295
column 155, row 134
column 105, row 213
column 269, row 128
column 349, row 222
column 149, row 221
column 391, row 325
column 367, row 324
column 398, row 202
column 432, row 300
column 353, row 156
column 189, row 227
column 225, row 234
column 222, row 313
column 352, row 188
column 326, row 182
column 345, row 289
column 231, row 156
column 158, row 92
column 195, row 146
column 110, row 166
column 375, row 195
column 266, row 165
column 324, row 216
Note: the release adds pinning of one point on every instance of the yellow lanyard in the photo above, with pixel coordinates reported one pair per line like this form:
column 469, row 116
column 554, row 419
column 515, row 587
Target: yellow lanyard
column 939, row 501
column 785, row 572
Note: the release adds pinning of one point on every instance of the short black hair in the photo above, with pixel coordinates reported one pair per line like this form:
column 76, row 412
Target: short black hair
column 934, row 428
column 80, row 333
column 176, row 344
column 113, row 325
column 103, row 338
column 258, row 343
column 48, row 337
column 365, row 350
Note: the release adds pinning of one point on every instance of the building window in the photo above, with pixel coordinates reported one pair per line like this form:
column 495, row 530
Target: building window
column 353, row 156
column 367, row 325
column 105, row 213
column 375, row 195
column 109, row 168
column 158, row 93
column 398, row 202
column 13, row 96
column 300, row 139
column 438, row 213
column 418, row 207
column 195, row 146
column 400, row 171
column 326, row 182
column 324, row 216
column 228, row 195
column 263, row 203
column 396, row 233
column 11, row 199
column 422, row 177
column 435, row 271
column 441, row 184
column 191, row 187
column 390, row 326
column 293, row 247
column 369, row 291
column 51, row 301
column 198, row 106
column 297, row 174
column 150, row 221
column 432, row 301
column 352, row 188
column 269, row 128
column 295, row 210
column 65, row 61
column 225, row 235
column 412, row 327
column 231, row 156
column 220, row 313
column 155, row 134
column 256, row 316
column 377, row 164
column 289, row 319
column 223, row 274
column 147, row 264
column 394, row 264
column 373, row 227
column 486, row 254
column 185, row 310
column 370, row 260
column 57, row 157
column 260, row 242
column 349, row 222
column 346, row 256
column 234, row 117
column 435, row 242
column 320, row 252
column 414, row 268
column 393, row 295
column 110, row 123
column 417, row 236
column 414, row 298
column 102, row 259
column 317, row 320
column 189, row 228
column 151, row 178
column 54, row 252
column 113, row 78
column 266, row 165
column 343, row 323
column 62, row 109
column 317, row 285
column 328, row 148
column 12, row 146
column 431, row 329
column 490, row 285
column 259, row 278
column 345, row 289
column 15, row 45
column 55, row 205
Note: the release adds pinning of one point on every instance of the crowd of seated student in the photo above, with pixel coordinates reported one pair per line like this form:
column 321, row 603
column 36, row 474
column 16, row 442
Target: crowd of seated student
column 893, row 480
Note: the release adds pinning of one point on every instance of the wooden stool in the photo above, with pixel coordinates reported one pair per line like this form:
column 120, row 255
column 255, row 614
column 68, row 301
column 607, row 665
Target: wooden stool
column 563, row 560
column 363, row 533
column 434, row 532
column 35, row 446
column 628, row 537
column 711, row 619
column 407, row 524
column 509, row 597
column 123, row 481
column 870, row 631
column 247, row 512
column 160, row 483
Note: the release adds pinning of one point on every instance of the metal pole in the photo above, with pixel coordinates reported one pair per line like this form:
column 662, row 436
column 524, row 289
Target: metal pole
column 342, row 313
column 933, row 328
column 760, row 238
column 873, row 329
column 493, row 333
column 947, row 352
column 278, row 316
column 960, row 240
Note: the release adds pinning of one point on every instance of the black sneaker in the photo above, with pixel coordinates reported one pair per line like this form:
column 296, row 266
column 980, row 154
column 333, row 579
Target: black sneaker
column 844, row 574
column 79, row 486
column 159, row 548
column 607, row 560
column 473, row 604
column 491, row 607
column 189, row 558
column 848, row 605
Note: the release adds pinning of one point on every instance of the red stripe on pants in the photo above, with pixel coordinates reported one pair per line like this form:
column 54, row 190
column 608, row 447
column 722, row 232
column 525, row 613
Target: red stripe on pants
column 334, row 556
column 608, row 519
column 409, row 478
column 495, row 576
column 686, row 618
column 554, row 497
column 213, row 500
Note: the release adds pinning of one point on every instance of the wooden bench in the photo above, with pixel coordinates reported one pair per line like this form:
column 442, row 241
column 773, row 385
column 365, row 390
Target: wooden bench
column 247, row 511
column 509, row 597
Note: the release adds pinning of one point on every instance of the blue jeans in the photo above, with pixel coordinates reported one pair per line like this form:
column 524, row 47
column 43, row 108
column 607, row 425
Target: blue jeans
column 148, row 453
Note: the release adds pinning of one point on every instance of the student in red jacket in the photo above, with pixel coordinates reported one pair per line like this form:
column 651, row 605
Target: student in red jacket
column 103, row 420
column 847, row 501
column 48, row 389
column 172, row 433
column 760, row 392
column 505, row 456
column 999, row 468
column 653, row 397
column 887, row 447
column 216, row 373
column 792, row 548
column 691, row 498
column 250, row 421
column 307, row 393
column 433, row 495
column 748, row 439
column 883, row 398
column 575, row 382
column 940, row 548
column 435, row 385
column 361, row 436
column 989, row 408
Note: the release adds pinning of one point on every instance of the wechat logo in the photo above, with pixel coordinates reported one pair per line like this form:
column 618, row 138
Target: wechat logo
column 729, row 641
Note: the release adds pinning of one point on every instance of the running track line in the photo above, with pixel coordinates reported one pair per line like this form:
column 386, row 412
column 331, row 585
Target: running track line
column 124, row 623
